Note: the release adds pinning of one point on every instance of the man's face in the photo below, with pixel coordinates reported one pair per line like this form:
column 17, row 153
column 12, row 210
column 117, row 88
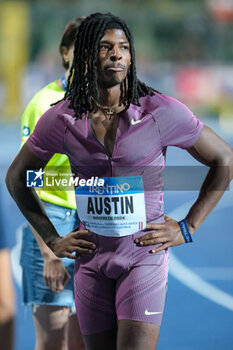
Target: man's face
column 113, row 58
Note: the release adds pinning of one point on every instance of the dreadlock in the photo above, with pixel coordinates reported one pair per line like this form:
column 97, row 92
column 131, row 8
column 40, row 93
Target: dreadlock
column 82, row 81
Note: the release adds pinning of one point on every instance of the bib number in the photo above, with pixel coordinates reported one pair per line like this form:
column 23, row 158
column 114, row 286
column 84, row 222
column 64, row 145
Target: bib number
column 115, row 209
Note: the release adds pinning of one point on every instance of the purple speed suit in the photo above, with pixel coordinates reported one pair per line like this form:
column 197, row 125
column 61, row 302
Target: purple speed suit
column 120, row 280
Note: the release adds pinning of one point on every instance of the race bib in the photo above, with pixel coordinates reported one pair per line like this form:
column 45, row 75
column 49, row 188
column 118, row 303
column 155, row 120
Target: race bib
column 115, row 209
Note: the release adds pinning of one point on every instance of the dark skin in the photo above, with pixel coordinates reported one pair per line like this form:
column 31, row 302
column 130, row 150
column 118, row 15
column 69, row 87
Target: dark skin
column 113, row 65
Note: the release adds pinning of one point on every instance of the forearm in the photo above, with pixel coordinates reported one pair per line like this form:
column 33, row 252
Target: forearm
column 46, row 252
column 215, row 184
column 30, row 205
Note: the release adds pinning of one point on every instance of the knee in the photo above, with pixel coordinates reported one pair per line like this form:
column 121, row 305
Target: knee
column 55, row 344
column 53, row 340
column 51, row 327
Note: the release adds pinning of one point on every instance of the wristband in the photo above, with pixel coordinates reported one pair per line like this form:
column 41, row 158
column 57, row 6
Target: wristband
column 185, row 231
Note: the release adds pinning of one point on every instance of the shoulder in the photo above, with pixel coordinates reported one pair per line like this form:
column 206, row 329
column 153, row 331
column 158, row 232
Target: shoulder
column 59, row 114
column 160, row 103
column 51, row 88
column 177, row 124
column 48, row 135
column 43, row 99
column 39, row 104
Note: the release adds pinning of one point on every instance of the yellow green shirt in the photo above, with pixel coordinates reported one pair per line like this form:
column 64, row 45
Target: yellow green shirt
column 39, row 104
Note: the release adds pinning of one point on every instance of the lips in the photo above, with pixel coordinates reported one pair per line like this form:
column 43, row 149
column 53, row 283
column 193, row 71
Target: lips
column 115, row 68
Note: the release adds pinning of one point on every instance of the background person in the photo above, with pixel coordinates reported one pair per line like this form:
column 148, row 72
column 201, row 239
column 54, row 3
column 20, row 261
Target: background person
column 7, row 292
column 7, row 297
column 47, row 279
column 110, row 120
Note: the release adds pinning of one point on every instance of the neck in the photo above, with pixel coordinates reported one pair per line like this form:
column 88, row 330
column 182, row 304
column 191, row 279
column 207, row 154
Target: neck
column 110, row 96
column 59, row 80
column 109, row 102
column 67, row 73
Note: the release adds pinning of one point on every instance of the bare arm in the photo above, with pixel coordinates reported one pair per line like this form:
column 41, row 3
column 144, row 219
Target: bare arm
column 54, row 272
column 26, row 198
column 210, row 150
column 31, row 207
column 45, row 250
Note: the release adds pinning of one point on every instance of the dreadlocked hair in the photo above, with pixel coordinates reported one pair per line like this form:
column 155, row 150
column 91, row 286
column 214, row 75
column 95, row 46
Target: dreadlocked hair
column 82, row 81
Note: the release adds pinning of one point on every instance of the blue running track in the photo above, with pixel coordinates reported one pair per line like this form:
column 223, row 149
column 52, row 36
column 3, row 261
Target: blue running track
column 199, row 307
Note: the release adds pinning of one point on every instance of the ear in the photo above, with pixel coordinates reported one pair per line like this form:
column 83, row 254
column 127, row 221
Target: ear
column 64, row 53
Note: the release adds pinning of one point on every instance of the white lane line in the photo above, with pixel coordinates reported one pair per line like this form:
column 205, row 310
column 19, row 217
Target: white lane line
column 197, row 284
column 190, row 278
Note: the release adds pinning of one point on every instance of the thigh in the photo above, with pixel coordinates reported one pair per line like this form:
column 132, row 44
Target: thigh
column 49, row 318
column 101, row 341
column 94, row 297
column 95, row 305
column 135, row 335
column 75, row 340
column 51, row 324
column 141, row 292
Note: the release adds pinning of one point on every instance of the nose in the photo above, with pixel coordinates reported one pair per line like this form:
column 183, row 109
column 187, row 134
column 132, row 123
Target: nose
column 115, row 54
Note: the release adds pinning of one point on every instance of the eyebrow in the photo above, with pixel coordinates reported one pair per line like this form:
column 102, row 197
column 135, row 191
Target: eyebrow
column 110, row 42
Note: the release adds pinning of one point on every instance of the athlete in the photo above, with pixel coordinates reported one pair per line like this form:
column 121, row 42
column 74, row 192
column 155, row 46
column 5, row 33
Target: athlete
column 113, row 126
column 7, row 295
column 47, row 279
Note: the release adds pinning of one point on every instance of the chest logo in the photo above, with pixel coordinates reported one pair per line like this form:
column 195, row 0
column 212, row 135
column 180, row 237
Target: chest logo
column 135, row 122
column 148, row 313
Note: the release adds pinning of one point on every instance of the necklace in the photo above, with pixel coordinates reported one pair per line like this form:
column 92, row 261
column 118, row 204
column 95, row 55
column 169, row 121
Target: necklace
column 108, row 110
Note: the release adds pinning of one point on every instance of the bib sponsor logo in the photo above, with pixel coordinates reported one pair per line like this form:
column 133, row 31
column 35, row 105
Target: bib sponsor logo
column 110, row 189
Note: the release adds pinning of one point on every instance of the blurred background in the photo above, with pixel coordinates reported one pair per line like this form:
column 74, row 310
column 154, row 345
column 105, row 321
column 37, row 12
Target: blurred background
column 184, row 48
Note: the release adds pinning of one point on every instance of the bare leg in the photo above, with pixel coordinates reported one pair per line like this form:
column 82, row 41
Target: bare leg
column 75, row 340
column 7, row 302
column 135, row 335
column 51, row 324
column 132, row 335
column 101, row 341
column 7, row 334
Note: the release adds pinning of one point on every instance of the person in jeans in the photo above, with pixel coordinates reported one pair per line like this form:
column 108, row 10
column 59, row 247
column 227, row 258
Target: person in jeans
column 47, row 279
